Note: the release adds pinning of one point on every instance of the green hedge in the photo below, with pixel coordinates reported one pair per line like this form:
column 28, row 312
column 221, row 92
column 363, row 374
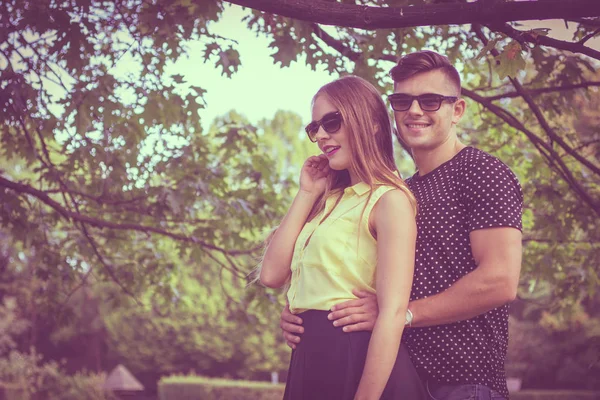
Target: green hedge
column 202, row 388
column 554, row 395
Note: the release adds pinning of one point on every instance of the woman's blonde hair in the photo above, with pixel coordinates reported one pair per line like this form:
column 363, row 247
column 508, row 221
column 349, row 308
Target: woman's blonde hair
column 365, row 117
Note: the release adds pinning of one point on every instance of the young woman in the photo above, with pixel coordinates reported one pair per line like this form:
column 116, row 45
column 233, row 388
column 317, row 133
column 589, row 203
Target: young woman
column 350, row 226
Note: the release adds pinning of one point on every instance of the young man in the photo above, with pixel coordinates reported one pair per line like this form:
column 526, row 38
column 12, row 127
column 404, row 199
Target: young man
column 468, row 255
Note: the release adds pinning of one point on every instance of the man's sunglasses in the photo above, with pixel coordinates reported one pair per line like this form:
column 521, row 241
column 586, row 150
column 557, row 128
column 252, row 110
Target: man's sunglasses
column 427, row 102
column 331, row 123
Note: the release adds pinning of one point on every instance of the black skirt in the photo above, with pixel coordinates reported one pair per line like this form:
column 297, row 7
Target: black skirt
column 328, row 363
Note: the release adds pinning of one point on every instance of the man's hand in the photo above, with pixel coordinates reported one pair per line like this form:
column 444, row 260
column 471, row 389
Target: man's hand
column 356, row 315
column 290, row 324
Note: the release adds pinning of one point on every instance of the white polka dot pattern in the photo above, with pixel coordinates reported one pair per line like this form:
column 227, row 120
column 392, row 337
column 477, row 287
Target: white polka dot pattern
column 473, row 190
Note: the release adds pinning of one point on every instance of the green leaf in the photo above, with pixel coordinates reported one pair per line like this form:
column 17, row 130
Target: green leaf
column 229, row 61
column 178, row 78
column 511, row 60
column 211, row 49
column 540, row 32
column 286, row 50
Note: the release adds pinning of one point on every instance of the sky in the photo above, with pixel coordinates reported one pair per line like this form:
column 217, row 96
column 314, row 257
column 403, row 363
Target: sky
column 259, row 88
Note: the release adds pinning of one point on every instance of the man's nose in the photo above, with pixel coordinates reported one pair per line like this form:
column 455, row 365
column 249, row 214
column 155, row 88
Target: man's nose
column 415, row 108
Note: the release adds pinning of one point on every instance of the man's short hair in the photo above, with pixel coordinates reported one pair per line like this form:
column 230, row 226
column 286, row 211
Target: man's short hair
column 424, row 61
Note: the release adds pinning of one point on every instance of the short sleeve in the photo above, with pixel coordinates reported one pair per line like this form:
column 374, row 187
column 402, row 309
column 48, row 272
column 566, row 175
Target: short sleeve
column 492, row 195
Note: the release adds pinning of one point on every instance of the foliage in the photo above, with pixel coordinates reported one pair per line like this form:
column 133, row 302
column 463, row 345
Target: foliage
column 212, row 329
column 126, row 227
column 25, row 376
column 198, row 387
column 549, row 350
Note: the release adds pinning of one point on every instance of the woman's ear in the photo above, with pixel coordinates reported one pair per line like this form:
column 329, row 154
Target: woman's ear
column 376, row 128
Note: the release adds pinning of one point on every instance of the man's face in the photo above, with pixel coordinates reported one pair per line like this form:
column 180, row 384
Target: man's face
column 427, row 130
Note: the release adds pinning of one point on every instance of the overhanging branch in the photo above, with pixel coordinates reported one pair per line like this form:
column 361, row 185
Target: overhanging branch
column 552, row 135
column 551, row 89
column 100, row 223
column 526, row 36
column 342, row 48
column 547, row 151
column 366, row 17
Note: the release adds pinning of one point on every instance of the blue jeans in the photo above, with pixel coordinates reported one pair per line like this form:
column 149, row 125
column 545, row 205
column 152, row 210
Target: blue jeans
column 437, row 391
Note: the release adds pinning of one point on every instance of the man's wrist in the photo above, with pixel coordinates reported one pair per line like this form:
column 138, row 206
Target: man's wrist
column 409, row 318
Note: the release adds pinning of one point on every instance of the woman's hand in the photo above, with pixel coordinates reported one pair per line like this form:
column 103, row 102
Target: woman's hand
column 313, row 176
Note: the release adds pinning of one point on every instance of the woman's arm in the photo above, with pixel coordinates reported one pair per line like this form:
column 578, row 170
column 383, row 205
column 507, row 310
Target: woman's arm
column 277, row 260
column 394, row 221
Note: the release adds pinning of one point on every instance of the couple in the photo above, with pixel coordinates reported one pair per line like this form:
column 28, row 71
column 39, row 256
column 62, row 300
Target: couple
column 371, row 259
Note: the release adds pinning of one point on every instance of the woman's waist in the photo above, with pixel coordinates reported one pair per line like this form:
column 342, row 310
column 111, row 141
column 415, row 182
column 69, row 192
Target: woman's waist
column 317, row 325
column 302, row 297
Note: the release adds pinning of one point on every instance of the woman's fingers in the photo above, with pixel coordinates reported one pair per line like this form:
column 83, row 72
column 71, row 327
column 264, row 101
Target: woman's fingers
column 318, row 165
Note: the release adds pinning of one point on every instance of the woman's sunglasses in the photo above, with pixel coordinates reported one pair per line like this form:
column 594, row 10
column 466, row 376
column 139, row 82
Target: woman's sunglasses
column 331, row 123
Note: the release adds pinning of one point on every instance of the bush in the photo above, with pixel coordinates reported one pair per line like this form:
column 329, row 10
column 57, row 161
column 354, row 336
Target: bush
column 26, row 377
column 198, row 387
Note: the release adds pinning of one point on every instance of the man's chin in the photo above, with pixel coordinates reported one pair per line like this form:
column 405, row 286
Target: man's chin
column 418, row 143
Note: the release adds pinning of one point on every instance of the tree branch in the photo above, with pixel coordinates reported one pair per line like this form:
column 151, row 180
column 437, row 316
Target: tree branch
column 538, row 113
column 334, row 43
column 342, row 48
column 589, row 36
column 367, row 17
column 549, row 131
column 109, row 269
column 99, row 223
column 526, row 36
column 543, row 90
column 583, row 21
column 547, row 151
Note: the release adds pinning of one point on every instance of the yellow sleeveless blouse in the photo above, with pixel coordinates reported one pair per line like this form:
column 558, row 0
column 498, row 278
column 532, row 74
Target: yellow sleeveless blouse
column 337, row 255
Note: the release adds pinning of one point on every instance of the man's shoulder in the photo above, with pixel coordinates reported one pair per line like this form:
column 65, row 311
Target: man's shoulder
column 474, row 160
column 411, row 179
column 473, row 155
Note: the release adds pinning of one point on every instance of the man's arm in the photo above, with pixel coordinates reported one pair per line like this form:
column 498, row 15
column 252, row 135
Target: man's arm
column 497, row 252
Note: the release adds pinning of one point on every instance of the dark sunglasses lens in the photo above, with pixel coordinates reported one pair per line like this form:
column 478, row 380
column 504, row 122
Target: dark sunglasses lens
column 401, row 103
column 430, row 103
column 312, row 129
column 332, row 124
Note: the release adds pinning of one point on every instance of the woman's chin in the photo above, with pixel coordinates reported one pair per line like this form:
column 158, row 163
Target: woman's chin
column 337, row 165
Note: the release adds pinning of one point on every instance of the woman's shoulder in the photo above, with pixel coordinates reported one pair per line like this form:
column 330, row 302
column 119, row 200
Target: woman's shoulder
column 393, row 199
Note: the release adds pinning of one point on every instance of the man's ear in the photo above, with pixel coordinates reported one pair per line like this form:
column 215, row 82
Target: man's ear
column 459, row 109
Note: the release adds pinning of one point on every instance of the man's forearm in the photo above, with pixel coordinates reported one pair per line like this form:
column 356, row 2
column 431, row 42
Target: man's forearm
column 472, row 295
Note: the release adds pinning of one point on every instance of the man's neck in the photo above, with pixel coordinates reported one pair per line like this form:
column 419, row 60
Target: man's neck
column 428, row 160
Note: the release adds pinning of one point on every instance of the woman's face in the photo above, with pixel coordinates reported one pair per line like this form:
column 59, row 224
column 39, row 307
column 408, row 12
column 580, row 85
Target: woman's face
column 335, row 145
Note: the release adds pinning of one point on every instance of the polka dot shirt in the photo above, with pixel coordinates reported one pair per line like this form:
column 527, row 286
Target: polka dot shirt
column 473, row 190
